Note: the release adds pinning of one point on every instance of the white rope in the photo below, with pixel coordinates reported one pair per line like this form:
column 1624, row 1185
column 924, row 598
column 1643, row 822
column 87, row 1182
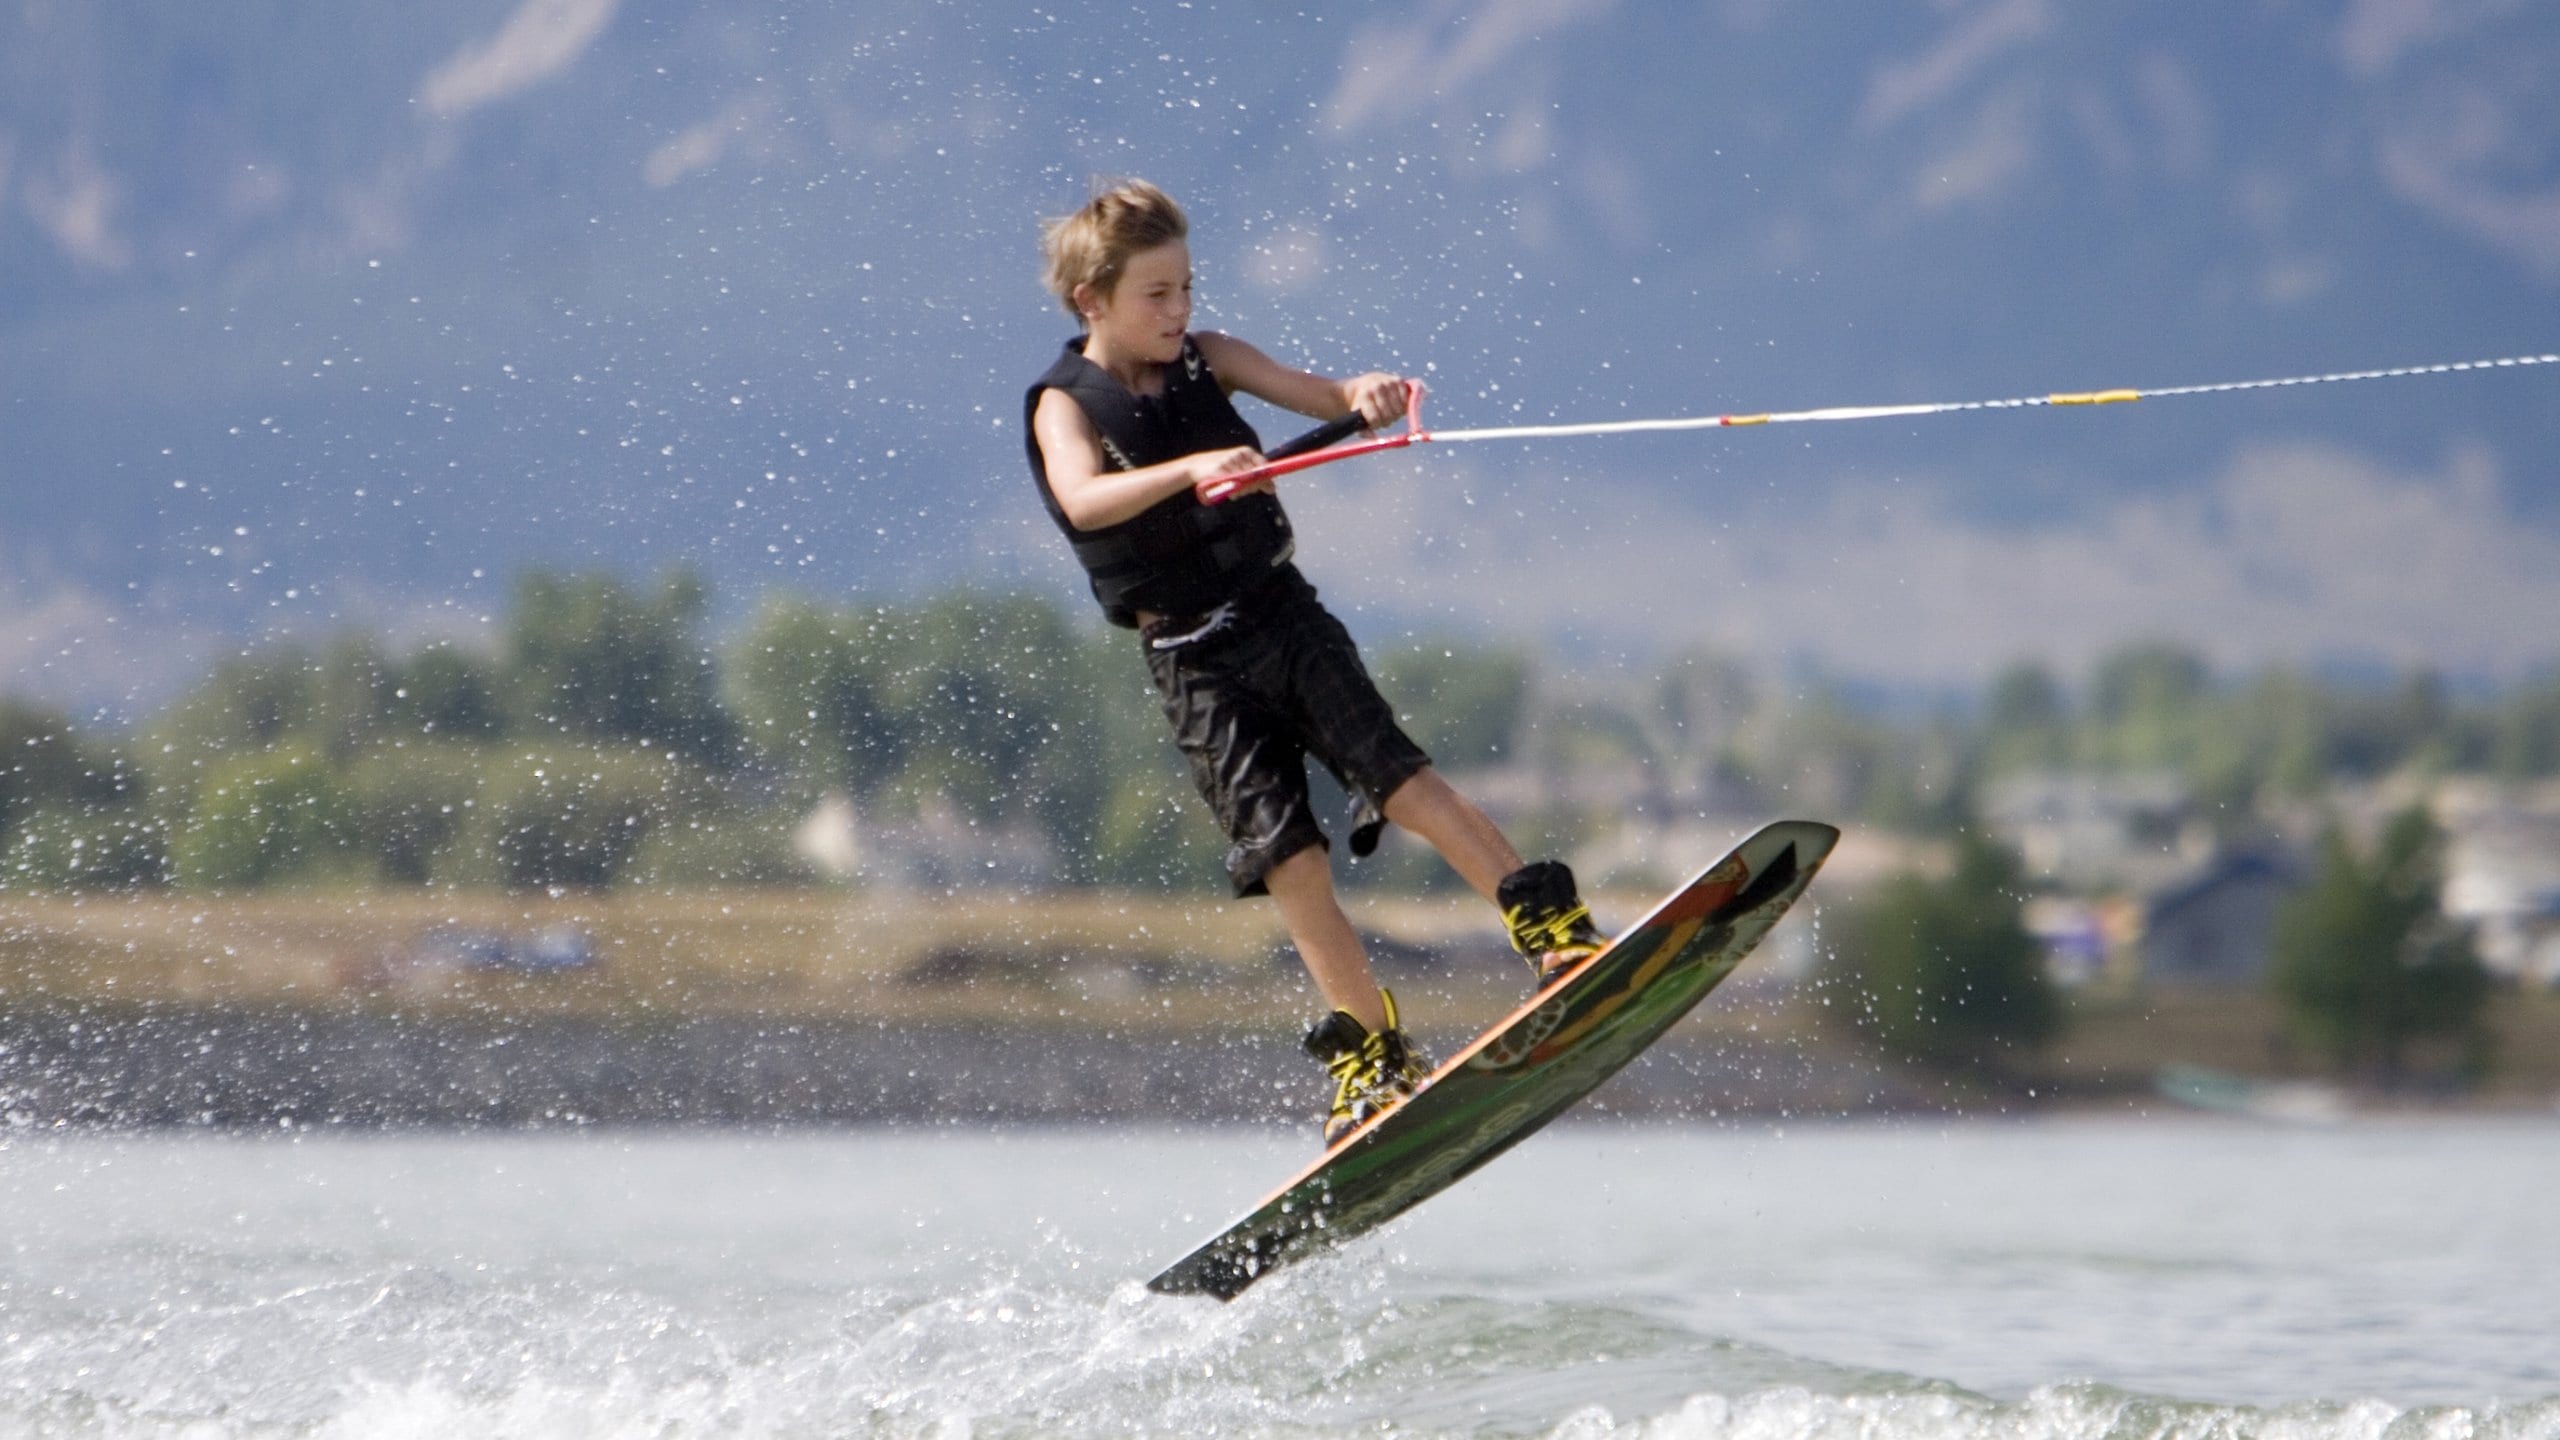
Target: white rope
column 1890, row 412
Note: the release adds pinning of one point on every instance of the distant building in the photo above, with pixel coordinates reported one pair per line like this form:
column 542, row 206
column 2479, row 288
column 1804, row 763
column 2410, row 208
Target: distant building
column 2502, row 877
column 829, row 840
column 2217, row 925
column 2085, row 941
column 2087, row 832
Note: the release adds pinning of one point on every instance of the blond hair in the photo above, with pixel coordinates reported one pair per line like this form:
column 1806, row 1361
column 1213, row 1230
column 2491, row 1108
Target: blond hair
column 1093, row 245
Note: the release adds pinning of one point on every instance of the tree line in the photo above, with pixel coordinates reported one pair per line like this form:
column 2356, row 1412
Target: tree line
column 606, row 737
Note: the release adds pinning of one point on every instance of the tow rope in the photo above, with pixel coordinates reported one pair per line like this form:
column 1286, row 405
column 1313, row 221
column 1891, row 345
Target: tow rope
column 1308, row 450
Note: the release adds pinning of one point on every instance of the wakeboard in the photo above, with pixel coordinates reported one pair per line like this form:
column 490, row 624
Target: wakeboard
column 1529, row 1068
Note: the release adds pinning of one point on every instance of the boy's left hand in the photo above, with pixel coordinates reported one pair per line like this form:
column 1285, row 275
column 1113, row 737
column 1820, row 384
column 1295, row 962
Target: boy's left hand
column 1378, row 396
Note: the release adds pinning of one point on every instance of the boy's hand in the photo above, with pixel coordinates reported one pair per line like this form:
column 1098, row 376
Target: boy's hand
column 1209, row 465
column 1378, row 396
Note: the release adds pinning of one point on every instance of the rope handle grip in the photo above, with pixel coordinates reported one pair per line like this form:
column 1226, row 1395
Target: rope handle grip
column 1317, row 447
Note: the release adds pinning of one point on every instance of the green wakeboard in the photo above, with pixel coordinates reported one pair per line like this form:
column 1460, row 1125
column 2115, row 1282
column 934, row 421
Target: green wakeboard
column 1526, row 1070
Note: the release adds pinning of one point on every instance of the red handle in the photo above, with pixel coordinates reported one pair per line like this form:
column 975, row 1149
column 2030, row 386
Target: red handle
column 1224, row 487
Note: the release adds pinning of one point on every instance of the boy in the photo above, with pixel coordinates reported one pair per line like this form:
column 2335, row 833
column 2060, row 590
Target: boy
column 1253, row 673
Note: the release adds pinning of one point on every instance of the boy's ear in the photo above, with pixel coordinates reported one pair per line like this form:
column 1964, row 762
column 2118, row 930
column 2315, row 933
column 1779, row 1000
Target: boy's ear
column 1087, row 299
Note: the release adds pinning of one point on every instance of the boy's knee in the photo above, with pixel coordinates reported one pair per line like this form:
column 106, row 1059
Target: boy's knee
column 1421, row 795
column 1306, row 865
column 1299, row 843
column 1412, row 788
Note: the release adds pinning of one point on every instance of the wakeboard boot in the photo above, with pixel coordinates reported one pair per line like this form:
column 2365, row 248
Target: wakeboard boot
column 1550, row 926
column 1373, row 1071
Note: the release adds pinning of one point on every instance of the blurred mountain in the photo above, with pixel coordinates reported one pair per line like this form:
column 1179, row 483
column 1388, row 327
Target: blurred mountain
column 322, row 315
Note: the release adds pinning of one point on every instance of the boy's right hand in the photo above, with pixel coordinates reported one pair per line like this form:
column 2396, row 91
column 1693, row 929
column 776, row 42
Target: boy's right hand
column 1379, row 396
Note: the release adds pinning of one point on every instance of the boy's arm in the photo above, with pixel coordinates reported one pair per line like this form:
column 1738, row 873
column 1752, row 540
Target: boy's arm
column 1379, row 396
column 1094, row 497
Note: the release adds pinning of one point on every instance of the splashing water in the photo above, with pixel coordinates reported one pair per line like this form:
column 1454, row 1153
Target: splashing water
column 1606, row 1281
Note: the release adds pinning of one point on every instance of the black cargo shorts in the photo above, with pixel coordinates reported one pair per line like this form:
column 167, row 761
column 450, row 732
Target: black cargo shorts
column 1252, row 690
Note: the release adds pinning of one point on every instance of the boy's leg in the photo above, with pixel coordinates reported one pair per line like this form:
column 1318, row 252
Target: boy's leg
column 1465, row 836
column 1347, row 724
column 1549, row 923
column 1361, row 1043
column 1302, row 885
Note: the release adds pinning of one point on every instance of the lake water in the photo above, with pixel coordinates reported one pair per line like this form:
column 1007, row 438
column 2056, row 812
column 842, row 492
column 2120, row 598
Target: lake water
column 1877, row 1280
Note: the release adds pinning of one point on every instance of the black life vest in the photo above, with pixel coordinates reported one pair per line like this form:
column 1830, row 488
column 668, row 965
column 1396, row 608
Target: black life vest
column 1178, row 557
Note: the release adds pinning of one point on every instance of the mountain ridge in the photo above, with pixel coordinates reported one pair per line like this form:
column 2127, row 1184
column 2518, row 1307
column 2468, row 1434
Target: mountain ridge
column 372, row 300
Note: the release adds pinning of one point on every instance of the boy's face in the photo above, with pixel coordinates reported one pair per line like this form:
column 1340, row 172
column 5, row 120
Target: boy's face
column 1149, row 311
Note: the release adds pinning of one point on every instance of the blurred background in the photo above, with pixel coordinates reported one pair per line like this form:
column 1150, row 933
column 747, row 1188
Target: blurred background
column 517, row 510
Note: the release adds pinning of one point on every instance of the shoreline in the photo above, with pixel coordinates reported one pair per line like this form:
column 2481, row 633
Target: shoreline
column 798, row 1008
column 98, row 1069
column 239, row 1069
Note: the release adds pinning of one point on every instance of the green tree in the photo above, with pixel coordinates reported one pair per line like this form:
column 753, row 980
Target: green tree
column 812, row 688
column 2026, row 722
column 409, row 807
column 84, row 848
column 1154, row 834
column 2155, row 707
column 2525, row 730
column 347, row 697
column 572, row 817
column 271, row 815
column 2366, row 962
column 588, row 657
column 719, row 843
column 250, row 701
column 2147, row 703
column 1001, row 705
column 445, row 693
column 2283, row 716
column 1462, row 703
column 1944, row 972
column 996, row 696
column 45, row 765
column 2378, row 729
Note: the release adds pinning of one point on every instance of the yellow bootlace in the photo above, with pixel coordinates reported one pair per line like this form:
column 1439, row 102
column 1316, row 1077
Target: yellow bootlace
column 1357, row 1073
column 1555, row 932
column 1361, row 1075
